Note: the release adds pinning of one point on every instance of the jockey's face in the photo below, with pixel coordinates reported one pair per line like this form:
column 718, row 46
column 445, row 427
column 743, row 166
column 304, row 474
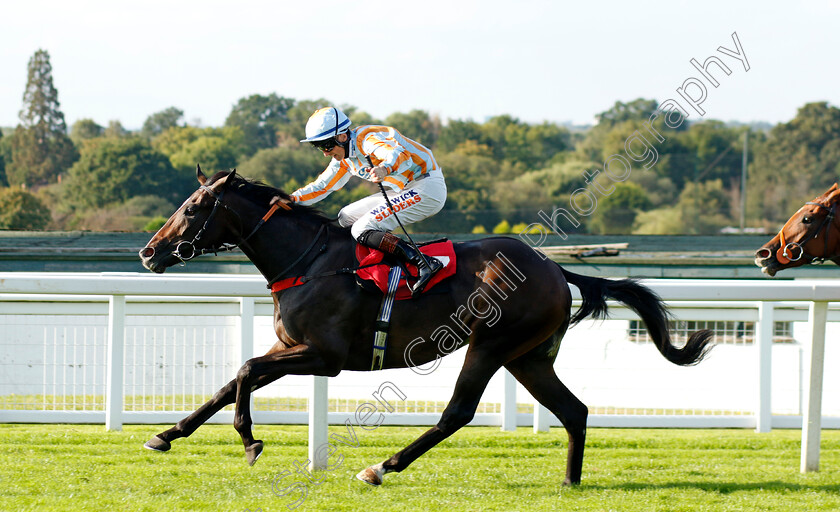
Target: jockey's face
column 338, row 152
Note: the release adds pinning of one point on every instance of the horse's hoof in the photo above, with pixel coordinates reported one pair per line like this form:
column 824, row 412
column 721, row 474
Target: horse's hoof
column 370, row 476
column 253, row 452
column 157, row 444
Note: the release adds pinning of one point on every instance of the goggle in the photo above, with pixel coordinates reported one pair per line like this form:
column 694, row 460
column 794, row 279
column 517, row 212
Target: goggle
column 325, row 145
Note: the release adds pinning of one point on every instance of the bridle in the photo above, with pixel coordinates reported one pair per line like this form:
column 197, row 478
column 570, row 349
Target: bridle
column 786, row 250
column 186, row 250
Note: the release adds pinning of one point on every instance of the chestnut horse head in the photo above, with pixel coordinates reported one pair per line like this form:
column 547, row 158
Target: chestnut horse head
column 812, row 235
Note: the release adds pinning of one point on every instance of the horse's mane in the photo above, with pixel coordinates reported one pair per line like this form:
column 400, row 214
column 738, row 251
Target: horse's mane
column 262, row 194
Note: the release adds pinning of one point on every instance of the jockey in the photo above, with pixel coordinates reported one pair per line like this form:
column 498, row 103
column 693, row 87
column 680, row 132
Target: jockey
column 377, row 154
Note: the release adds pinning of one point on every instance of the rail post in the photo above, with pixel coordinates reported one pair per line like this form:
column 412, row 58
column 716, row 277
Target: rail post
column 318, row 405
column 116, row 348
column 246, row 337
column 542, row 417
column 812, row 415
column 509, row 402
column 764, row 345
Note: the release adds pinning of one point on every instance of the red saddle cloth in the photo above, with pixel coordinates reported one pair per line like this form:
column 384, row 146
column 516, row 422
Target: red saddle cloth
column 444, row 251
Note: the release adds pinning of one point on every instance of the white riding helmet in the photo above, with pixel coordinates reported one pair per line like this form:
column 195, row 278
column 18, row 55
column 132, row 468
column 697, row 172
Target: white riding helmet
column 325, row 123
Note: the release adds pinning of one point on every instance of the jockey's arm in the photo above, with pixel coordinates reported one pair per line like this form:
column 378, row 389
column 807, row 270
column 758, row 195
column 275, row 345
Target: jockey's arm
column 333, row 178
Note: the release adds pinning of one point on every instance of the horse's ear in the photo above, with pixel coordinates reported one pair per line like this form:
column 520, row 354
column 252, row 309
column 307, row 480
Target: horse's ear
column 202, row 179
column 833, row 194
column 230, row 177
column 224, row 182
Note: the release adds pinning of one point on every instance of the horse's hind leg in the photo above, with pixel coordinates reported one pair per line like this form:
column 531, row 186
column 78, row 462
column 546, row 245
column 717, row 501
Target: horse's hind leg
column 473, row 379
column 225, row 396
column 536, row 373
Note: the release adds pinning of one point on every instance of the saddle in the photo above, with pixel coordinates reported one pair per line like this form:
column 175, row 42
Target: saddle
column 376, row 266
column 382, row 274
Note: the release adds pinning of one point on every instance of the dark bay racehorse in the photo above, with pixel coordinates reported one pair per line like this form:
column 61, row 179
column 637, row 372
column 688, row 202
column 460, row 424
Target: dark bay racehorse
column 327, row 325
column 812, row 235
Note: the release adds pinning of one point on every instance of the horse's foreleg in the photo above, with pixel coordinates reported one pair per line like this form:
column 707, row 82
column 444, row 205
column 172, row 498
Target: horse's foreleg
column 471, row 383
column 298, row 360
column 538, row 377
column 184, row 428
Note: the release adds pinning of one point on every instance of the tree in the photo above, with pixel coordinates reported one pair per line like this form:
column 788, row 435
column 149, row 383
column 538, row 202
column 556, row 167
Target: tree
column 639, row 109
column 798, row 161
column 561, row 179
column 468, row 201
column 21, row 210
column 701, row 210
column 416, row 125
column 173, row 140
column 115, row 130
column 85, row 129
column 259, row 117
column 132, row 215
column 717, row 148
column 117, row 169
column 160, row 121
column 456, row 132
column 216, row 149
column 544, row 141
column 41, row 149
column 659, row 189
column 615, row 213
column 213, row 153
column 501, row 131
column 502, row 228
column 5, row 152
column 519, row 200
column 287, row 167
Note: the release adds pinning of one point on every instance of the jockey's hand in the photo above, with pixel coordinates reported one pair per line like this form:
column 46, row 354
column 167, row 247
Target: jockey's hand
column 378, row 173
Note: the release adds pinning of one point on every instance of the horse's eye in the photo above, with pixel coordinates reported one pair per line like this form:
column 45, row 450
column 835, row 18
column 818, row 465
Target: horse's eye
column 807, row 219
column 189, row 211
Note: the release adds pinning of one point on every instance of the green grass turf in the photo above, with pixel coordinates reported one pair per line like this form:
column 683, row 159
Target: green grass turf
column 82, row 467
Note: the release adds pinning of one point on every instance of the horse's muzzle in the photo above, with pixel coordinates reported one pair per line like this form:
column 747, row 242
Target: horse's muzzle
column 147, row 258
column 764, row 258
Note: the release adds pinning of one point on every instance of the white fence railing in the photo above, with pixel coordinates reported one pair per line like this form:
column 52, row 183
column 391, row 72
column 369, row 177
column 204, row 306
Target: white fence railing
column 135, row 348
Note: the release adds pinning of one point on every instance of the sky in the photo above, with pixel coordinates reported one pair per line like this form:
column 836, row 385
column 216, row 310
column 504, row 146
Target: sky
column 538, row 61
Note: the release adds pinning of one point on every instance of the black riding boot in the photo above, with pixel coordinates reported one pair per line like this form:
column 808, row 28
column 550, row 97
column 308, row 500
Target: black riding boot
column 392, row 244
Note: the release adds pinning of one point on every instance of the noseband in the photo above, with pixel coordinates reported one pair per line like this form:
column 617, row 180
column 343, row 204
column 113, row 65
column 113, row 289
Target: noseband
column 786, row 250
column 185, row 251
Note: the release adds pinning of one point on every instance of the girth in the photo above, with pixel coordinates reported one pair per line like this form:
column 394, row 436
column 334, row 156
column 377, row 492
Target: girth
column 383, row 320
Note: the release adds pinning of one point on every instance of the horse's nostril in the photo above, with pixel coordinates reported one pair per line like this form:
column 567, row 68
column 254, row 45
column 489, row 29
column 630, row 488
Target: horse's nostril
column 148, row 252
column 763, row 253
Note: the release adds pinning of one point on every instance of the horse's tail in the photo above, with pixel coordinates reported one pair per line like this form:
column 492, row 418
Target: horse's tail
column 647, row 304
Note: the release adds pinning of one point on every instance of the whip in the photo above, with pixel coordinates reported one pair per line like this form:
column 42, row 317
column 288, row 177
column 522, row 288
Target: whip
column 394, row 213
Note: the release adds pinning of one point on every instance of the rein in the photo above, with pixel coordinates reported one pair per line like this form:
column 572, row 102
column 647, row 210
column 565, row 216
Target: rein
column 303, row 255
column 185, row 251
column 785, row 253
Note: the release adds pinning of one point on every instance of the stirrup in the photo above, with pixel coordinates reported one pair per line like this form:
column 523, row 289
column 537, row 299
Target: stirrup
column 434, row 266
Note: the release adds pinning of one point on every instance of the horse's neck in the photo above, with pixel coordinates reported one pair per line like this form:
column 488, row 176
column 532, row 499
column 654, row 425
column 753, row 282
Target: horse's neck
column 291, row 247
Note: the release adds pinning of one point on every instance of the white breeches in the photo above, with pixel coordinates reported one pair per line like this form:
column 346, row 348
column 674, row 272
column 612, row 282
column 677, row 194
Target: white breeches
column 419, row 200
